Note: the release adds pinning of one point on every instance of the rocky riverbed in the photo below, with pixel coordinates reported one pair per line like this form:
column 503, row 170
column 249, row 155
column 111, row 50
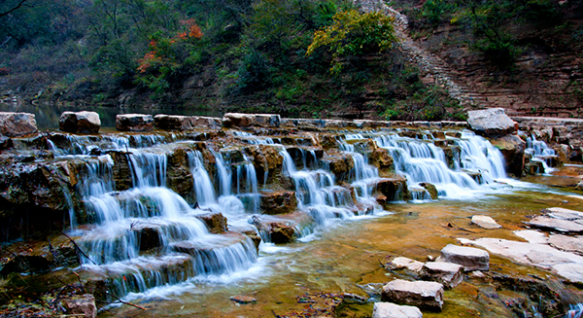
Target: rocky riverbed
column 256, row 216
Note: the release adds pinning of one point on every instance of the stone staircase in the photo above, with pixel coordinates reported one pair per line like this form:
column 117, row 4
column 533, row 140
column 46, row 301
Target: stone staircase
column 433, row 68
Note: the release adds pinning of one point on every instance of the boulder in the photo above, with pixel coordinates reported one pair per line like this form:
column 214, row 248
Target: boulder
column 17, row 124
column 215, row 222
column 492, row 122
column 282, row 229
column 431, row 189
column 394, row 189
column 149, row 238
column 243, row 299
column 485, row 222
column 426, row 295
column 80, row 306
column 404, row 262
column 80, row 122
column 231, row 120
column 381, row 159
column 134, row 122
column 512, row 148
column 448, row 274
column 182, row 123
column 279, row 202
column 470, row 258
column 390, row 310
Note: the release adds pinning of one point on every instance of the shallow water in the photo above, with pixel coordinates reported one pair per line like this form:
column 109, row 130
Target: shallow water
column 349, row 253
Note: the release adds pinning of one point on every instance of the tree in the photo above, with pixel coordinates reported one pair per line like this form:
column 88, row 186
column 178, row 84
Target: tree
column 354, row 34
column 8, row 8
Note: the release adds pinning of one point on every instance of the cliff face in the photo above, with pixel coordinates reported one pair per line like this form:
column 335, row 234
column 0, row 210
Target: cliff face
column 545, row 77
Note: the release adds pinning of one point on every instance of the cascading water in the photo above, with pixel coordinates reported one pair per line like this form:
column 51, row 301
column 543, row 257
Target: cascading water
column 540, row 152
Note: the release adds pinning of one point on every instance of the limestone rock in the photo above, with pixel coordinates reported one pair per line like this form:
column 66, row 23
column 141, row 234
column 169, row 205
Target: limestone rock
column 80, row 122
column 282, row 229
column 512, row 148
column 470, row 258
column 566, row 243
column 215, row 222
column 134, row 122
column 17, row 124
column 390, row 310
column 148, row 237
column 563, row 214
column 542, row 256
column 431, row 189
column 492, row 122
column 182, row 123
column 556, row 224
column 231, row 120
column 279, row 202
column 381, row 159
column 427, row 295
column 485, row 222
column 80, row 305
column 404, row 262
column 393, row 188
column 448, row 274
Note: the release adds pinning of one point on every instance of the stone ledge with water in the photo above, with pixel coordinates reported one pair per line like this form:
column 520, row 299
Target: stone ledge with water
column 149, row 210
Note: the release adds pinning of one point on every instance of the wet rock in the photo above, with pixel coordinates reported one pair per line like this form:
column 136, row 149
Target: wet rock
column 307, row 157
column 340, row 165
column 80, row 122
column 37, row 257
column 215, row 222
column 17, row 124
column 134, row 122
column 470, row 258
column 149, row 238
column 243, row 299
column 532, row 236
column 393, row 189
column 404, row 262
column 280, row 202
column 267, row 160
column 231, row 120
column 427, row 295
column 560, row 225
column 563, row 214
column 179, row 175
column 381, row 159
column 282, row 229
column 254, row 237
column 5, row 142
column 122, row 172
column 448, row 274
column 431, row 189
column 533, row 168
column 492, row 122
column 328, row 141
column 485, row 222
column 512, row 148
column 567, row 265
column 390, row 310
column 80, row 306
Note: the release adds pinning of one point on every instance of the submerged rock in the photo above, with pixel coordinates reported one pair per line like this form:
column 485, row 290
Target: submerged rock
column 243, row 299
column 80, row 122
column 492, row 122
column 80, row 306
column 431, row 189
column 134, row 122
column 393, row 189
column 470, row 258
column 560, row 225
column 485, row 222
column 390, row 310
column 427, row 295
column 215, row 222
column 448, row 274
column 17, row 124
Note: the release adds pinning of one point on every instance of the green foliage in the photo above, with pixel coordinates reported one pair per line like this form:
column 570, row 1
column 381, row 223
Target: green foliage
column 254, row 72
column 354, row 34
column 435, row 11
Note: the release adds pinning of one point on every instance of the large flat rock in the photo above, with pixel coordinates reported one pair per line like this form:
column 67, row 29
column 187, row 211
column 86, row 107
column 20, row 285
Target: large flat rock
column 485, row 222
column 80, row 122
column 428, row 295
column 560, row 225
column 448, row 274
column 470, row 258
column 232, row 120
column 491, row 122
column 567, row 265
column 390, row 310
column 566, row 243
column 134, row 122
column 404, row 262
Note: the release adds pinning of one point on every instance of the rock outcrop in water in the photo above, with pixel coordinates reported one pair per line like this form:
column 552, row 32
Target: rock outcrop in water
column 17, row 124
column 80, row 122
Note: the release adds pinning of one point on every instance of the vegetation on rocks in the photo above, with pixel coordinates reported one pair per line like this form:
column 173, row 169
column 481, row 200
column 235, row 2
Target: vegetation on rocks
column 244, row 55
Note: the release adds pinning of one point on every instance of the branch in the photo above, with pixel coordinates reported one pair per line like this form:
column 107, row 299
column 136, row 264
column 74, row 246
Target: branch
column 20, row 4
column 78, row 248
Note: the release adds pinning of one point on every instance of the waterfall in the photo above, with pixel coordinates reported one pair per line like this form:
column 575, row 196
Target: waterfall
column 540, row 152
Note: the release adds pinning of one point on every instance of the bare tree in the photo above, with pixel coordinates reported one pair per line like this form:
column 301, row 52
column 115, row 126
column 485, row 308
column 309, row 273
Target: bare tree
column 21, row 3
